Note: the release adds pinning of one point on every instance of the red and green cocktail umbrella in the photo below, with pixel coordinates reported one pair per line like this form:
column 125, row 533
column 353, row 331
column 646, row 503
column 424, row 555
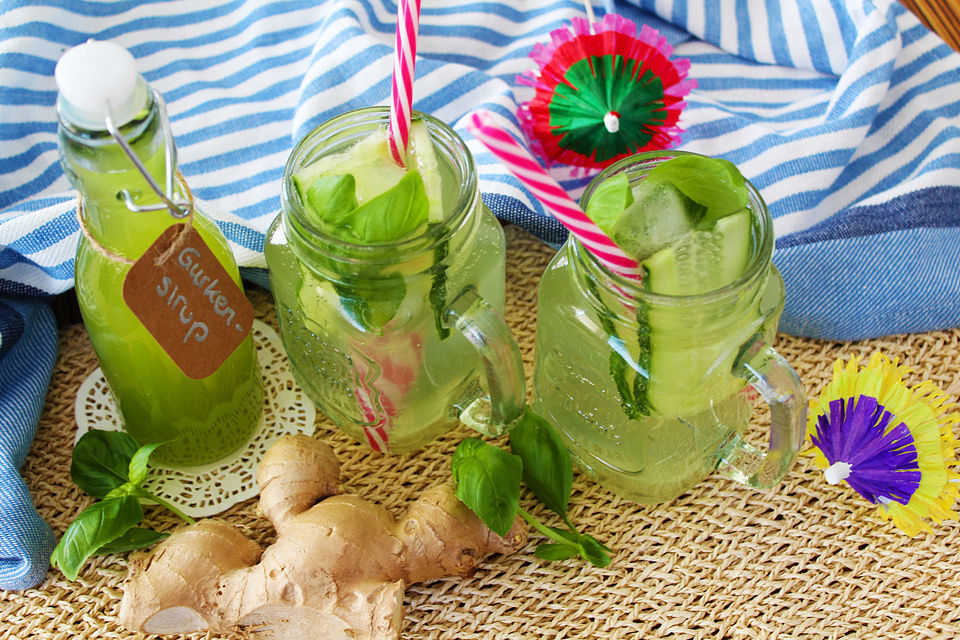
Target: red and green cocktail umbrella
column 603, row 92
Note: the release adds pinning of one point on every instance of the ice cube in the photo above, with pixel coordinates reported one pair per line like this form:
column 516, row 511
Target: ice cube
column 659, row 216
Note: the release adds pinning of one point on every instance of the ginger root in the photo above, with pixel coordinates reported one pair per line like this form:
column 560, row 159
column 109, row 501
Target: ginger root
column 338, row 569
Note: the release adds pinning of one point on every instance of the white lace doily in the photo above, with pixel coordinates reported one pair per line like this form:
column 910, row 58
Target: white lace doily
column 211, row 488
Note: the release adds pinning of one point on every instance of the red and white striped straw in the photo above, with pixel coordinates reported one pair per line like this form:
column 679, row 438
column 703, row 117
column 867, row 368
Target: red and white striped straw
column 377, row 421
column 556, row 201
column 404, row 60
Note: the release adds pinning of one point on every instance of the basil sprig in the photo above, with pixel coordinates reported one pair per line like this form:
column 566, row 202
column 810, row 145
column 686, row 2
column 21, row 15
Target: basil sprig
column 488, row 481
column 108, row 465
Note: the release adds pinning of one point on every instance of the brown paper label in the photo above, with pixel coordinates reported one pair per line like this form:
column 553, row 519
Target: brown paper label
column 188, row 302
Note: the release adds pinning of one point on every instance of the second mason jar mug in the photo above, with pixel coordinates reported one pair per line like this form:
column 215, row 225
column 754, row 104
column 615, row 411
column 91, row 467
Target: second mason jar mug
column 395, row 342
column 651, row 392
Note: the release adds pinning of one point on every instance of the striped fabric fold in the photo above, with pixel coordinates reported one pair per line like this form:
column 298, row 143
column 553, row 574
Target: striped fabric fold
column 843, row 113
column 27, row 348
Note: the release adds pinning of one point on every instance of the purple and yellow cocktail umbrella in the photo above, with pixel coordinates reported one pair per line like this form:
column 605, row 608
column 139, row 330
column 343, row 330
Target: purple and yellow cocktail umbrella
column 891, row 443
column 604, row 91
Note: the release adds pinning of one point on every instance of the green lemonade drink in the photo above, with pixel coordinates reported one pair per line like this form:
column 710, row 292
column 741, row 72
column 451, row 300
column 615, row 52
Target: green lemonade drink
column 389, row 284
column 202, row 420
column 647, row 382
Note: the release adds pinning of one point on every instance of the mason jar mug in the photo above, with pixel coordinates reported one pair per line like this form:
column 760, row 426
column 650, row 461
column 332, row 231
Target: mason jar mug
column 395, row 342
column 653, row 392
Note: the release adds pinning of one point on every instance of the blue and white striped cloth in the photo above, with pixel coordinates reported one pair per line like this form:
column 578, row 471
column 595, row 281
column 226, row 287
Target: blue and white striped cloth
column 845, row 113
column 28, row 346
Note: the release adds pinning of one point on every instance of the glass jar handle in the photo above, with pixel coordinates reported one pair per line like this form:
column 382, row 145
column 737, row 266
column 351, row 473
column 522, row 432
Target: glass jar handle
column 778, row 384
column 484, row 327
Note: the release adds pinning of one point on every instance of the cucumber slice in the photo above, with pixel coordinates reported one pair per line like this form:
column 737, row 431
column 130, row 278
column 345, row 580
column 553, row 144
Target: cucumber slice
column 702, row 261
column 689, row 358
column 629, row 358
column 423, row 156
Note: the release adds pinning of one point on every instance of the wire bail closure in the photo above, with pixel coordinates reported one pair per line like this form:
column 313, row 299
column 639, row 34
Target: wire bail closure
column 179, row 206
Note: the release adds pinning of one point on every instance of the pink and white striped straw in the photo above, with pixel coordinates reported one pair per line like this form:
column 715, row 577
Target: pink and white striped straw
column 404, row 60
column 550, row 194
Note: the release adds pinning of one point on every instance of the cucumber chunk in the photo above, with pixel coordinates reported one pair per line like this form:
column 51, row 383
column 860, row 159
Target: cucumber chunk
column 714, row 183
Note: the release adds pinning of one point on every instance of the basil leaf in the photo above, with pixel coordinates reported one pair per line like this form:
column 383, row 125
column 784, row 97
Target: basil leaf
column 373, row 303
column 101, row 460
column 329, row 200
column 97, row 525
column 593, row 552
column 134, row 538
column 546, row 463
column 385, row 302
column 609, row 200
column 556, row 551
column 488, row 482
column 395, row 213
column 714, row 183
column 138, row 464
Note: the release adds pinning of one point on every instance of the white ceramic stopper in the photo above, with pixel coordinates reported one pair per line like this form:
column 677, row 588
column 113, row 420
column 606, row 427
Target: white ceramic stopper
column 92, row 76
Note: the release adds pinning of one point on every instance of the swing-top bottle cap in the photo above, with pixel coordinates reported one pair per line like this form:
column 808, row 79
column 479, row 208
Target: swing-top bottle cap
column 92, row 76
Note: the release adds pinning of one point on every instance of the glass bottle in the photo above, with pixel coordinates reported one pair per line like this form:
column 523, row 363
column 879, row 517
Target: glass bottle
column 201, row 420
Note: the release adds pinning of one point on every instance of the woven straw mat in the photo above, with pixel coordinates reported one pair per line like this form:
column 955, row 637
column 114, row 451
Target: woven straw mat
column 807, row 560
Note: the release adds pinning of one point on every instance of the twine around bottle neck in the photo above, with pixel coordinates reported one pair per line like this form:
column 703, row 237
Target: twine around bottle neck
column 116, row 257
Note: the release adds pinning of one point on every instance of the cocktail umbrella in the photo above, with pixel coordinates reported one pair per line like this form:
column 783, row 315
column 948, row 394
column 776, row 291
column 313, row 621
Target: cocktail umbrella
column 603, row 92
column 891, row 443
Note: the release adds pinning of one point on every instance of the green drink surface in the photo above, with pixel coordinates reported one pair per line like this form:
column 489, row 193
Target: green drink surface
column 202, row 420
